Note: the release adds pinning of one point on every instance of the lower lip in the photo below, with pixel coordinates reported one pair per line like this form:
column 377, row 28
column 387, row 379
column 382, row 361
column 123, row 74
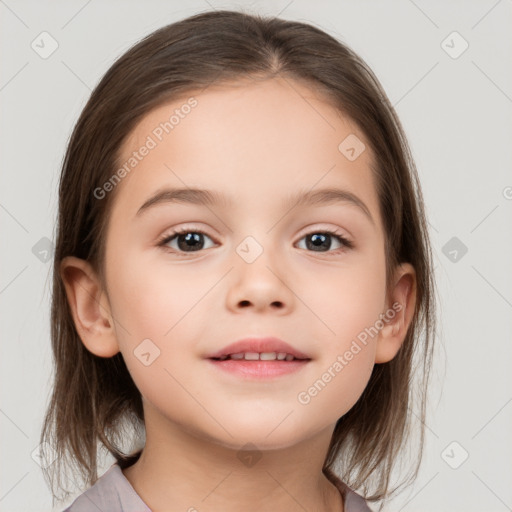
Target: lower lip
column 259, row 369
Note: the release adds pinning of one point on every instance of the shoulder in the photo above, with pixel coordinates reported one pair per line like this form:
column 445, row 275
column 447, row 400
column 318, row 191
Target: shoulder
column 112, row 492
column 353, row 502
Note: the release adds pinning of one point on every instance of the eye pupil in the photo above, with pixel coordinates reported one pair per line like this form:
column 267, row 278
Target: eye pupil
column 190, row 240
column 319, row 240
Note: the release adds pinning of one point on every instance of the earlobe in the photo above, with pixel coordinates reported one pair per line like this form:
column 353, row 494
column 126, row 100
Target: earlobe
column 89, row 306
column 397, row 318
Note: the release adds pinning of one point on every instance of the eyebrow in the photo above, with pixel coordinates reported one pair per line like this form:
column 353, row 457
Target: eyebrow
column 212, row 198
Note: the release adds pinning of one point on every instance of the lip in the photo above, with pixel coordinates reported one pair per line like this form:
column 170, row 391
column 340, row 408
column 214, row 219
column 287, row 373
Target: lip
column 259, row 369
column 267, row 344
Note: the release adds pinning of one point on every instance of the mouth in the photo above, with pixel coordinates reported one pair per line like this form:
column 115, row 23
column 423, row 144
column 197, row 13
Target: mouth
column 259, row 358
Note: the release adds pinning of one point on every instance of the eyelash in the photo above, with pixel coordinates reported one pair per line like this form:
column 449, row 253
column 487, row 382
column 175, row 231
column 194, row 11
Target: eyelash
column 165, row 239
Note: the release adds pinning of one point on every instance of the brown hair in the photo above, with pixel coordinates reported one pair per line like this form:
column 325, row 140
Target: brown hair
column 95, row 399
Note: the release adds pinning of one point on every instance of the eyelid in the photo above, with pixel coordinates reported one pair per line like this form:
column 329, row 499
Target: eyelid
column 333, row 229
column 319, row 227
column 304, row 232
column 172, row 232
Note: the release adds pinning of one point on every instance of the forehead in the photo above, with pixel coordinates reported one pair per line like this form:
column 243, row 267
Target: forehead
column 257, row 110
column 246, row 139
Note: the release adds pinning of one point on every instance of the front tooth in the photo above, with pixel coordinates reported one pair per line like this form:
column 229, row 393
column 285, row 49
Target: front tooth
column 237, row 356
column 281, row 355
column 289, row 357
column 252, row 356
column 268, row 356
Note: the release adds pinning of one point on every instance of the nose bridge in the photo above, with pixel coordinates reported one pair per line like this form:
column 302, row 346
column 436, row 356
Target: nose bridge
column 256, row 257
column 259, row 278
column 251, row 249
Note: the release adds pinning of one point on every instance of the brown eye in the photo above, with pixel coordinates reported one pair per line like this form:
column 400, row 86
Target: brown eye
column 185, row 240
column 322, row 241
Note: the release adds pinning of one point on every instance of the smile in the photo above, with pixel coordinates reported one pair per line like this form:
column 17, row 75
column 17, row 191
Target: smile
column 260, row 356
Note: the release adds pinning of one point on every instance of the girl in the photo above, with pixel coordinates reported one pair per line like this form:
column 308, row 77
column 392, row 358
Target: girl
column 242, row 271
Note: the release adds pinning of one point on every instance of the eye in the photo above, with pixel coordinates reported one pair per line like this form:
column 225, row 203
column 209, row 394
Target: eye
column 188, row 240
column 184, row 240
column 317, row 241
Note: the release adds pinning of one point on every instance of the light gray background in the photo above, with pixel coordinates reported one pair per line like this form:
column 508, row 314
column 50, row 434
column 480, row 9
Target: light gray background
column 457, row 115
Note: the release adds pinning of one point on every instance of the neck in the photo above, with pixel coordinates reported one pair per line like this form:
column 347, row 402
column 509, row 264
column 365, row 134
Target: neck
column 194, row 473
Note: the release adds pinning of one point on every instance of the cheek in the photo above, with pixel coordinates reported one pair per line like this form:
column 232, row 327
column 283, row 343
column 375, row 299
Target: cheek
column 348, row 308
column 347, row 299
column 332, row 393
column 340, row 377
column 151, row 301
column 158, row 308
column 155, row 308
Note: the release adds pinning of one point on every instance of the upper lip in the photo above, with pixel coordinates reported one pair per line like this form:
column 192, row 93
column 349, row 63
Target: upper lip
column 260, row 345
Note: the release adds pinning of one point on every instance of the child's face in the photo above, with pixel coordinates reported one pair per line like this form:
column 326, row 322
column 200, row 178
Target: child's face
column 258, row 144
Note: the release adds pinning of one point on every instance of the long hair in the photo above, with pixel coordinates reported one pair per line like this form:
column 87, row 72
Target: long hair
column 94, row 400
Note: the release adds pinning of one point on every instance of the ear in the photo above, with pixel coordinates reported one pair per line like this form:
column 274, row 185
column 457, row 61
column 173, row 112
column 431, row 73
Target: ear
column 89, row 306
column 398, row 314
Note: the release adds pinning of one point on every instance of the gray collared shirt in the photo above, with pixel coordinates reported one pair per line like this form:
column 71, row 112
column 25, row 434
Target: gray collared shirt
column 112, row 492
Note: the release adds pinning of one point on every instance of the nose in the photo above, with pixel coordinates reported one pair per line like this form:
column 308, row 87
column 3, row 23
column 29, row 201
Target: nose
column 260, row 285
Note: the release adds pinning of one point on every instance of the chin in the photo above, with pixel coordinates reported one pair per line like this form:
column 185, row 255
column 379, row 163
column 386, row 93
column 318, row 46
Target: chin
column 259, row 444
column 262, row 437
